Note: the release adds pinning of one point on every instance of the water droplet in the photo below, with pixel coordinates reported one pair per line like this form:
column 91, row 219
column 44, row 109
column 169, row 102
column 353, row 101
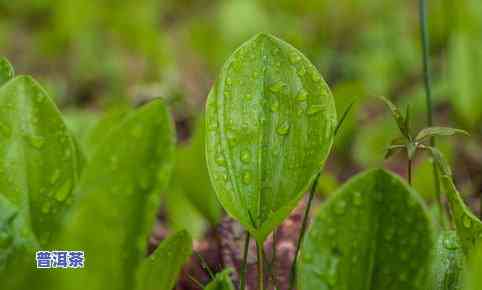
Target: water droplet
column 277, row 87
column 220, row 159
column 340, row 207
column 5, row 130
column 314, row 109
column 36, row 141
column 245, row 156
column 294, row 57
column 274, row 105
column 315, row 76
column 283, row 128
column 301, row 71
column 246, row 177
column 450, row 243
column 248, row 97
column 45, row 208
column 55, row 176
column 302, row 95
column 357, row 198
column 467, row 222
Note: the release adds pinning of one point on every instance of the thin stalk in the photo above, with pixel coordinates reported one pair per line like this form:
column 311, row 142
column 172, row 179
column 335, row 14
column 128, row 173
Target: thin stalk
column 245, row 262
column 409, row 171
column 260, row 258
column 303, row 230
column 195, row 281
column 273, row 258
column 428, row 93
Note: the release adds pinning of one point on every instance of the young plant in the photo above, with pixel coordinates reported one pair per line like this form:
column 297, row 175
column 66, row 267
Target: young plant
column 270, row 119
column 411, row 143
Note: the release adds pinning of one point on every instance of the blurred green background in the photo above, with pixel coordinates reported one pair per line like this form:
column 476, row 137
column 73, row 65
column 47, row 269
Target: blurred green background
column 106, row 56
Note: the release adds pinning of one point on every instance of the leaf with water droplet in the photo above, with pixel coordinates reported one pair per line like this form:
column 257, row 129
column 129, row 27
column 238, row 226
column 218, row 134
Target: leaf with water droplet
column 161, row 269
column 120, row 206
column 362, row 220
column 301, row 141
column 448, row 263
column 468, row 226
column 222, row 281
column 33, row 157
column 6, row 71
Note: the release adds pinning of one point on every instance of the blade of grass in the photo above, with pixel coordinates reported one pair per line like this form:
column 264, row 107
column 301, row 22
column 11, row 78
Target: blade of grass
column 428, row 94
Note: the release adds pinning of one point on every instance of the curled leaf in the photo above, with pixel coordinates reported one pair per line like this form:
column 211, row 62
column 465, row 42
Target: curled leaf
column 397, row 115
column 269, row 119
column 353, row 244
column 439, row 159
column 468, row 226
column 438, row 131
column 6, row 71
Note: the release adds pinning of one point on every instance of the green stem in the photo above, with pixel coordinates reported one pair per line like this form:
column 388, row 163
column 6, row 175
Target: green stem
column 260, row 259
column 428, row 93
column 303, row 231
column 273, row 259
column 409, row 171
column 245, row 262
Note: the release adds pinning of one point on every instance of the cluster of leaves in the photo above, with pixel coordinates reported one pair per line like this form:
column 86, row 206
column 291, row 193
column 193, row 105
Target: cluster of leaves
column 270, row 124
column 52, row 196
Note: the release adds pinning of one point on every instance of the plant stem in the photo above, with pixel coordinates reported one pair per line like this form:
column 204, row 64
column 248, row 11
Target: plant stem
column 260, row 259
column 273, row 259
column 245, row 261
column 409, row 171
column 428, row 93
column 303, row 230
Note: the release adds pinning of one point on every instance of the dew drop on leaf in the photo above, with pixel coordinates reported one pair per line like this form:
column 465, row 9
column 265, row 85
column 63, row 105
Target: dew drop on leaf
column 314, row 109
column 467, row 222
column 245, row 156
column 283, row 128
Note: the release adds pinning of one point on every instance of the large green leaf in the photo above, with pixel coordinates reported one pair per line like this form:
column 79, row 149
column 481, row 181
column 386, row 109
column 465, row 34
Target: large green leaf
column 270, row 121
column 39, row 159
column 6, row 71
column 447, row 267
column 374, row 233
column 161, row 269
column 473, row 276
column 468, row 226
column 222, row 281
column 119, row 196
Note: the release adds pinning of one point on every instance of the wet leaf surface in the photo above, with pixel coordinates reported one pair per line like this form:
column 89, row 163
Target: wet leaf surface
column 374, row 233
column 270, row 119
column 448, row 264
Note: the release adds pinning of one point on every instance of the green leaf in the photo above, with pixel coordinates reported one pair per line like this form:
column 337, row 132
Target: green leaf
column 439, row 159
column 448, row 264
column 374, row 233
column 396, row 145
column 6, row 71
column 468, row 226
column 222, row 281
column 17, row 246
column 120, row 190
column 397, row 115
column 191, row 166
column 473, row 276
column 161, row 269
column 438, row 131
column 39, row 158
column 270, row 121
